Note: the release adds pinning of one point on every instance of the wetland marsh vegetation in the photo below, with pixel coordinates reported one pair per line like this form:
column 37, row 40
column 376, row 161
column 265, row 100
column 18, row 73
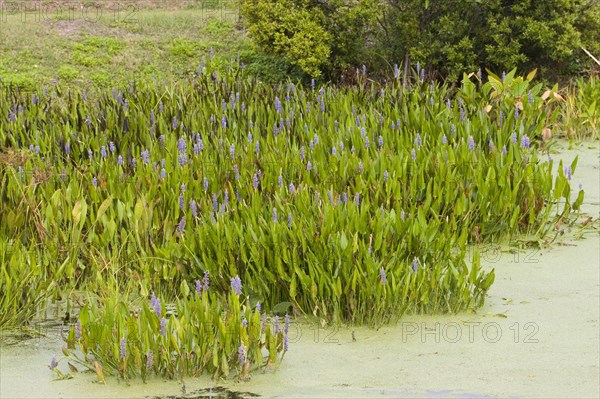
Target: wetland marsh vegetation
column 182, row 221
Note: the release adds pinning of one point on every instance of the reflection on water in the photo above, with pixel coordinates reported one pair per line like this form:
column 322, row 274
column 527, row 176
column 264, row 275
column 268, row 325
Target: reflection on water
column 216, row 393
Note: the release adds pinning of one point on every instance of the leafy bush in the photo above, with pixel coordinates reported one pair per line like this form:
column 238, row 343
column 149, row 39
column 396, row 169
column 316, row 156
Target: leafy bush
column 317, row 36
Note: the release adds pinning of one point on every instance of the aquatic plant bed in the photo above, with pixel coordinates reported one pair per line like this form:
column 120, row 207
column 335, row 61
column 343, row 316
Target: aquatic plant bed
column 230, row 199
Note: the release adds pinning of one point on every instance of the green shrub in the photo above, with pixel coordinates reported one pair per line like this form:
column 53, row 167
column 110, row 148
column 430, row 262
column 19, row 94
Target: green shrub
column 68, row 73
column 101, row 78
column 318, row 37
column 184, row 48
column 21, row 80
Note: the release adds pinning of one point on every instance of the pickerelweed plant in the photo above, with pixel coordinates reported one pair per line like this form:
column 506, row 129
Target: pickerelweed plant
column 205, row 331
column 309, row 194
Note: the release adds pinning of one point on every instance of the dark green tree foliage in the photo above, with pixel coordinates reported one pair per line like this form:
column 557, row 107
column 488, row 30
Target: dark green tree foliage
column 448, row 36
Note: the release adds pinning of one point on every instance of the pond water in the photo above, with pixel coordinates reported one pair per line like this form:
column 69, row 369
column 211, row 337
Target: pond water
column 536, row 336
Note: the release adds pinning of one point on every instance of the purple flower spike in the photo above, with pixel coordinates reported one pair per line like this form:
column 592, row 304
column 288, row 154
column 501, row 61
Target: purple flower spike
column 415, row 265
column 122, row 349
column 163, row 326
column 181, row 145
column 236, row 285
column 568, row 172
column 199, row 287
column 149, row 360
column 145, row 155
column 205, row 281
column 215, row 203
column 157, row 306
column 382, row 276
column 242, row 354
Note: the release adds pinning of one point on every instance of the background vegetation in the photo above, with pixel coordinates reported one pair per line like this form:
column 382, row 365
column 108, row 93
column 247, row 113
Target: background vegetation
column 447, row 37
